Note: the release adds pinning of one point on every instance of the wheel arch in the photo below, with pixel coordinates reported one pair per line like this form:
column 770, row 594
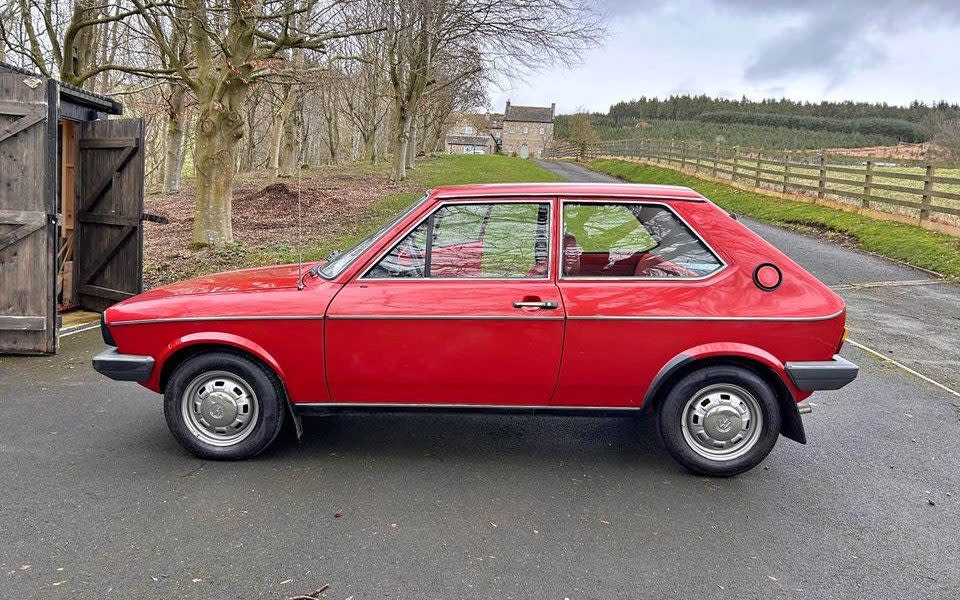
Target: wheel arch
column 755, row 360
column 183, row 349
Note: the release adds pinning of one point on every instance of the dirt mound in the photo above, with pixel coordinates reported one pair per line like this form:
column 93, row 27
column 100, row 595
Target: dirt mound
column 331, row 201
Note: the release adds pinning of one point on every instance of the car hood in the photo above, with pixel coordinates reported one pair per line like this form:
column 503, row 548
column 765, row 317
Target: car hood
column 245, row 280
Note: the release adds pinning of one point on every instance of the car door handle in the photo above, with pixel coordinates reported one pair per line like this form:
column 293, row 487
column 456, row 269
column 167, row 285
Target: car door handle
column 548, row 305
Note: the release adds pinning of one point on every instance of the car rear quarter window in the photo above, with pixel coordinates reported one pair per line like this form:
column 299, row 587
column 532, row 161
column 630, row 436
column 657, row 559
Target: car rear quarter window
column 627, row 240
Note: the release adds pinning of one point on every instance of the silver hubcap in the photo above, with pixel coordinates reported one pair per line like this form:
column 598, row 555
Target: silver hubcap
column 722, row 422
column 220, row 408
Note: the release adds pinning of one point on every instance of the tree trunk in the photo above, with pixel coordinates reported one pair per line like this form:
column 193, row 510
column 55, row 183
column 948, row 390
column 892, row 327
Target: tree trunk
column 276, row 138
column 218, row 135
column 173, row 158
column 401, row 142
column 292, row 121
column 413, row 137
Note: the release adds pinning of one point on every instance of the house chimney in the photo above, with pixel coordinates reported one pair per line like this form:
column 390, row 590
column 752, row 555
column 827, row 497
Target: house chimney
column 553, row 109
column 507, row 108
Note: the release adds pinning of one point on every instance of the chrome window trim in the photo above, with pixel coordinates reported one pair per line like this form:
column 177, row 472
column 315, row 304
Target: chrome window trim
column 229, row 318
column 507, row 199
column 386, row 228
column 698, row 318
column 479, row 318
column 530, row 317
column 602, row 200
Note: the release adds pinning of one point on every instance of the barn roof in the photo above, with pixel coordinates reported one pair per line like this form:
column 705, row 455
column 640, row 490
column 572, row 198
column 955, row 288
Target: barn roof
column 73, row 94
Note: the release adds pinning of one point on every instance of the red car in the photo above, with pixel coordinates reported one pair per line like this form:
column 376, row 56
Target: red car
column 565, row 298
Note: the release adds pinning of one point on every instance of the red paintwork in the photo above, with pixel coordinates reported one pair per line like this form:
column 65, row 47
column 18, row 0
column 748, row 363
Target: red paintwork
column 406, row 341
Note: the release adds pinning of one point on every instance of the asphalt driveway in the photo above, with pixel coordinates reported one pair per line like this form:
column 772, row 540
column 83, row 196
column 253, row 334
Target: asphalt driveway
column 98, row 501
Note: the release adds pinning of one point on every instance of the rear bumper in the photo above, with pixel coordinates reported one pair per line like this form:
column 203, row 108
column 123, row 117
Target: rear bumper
column 822, row 375
column 123, row 367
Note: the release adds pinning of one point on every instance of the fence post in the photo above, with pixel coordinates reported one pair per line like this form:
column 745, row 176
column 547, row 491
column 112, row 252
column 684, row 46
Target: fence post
column 699, row 152
column 736, row 157
column 822, row 181
column 925, row 199
column 640, row 149
column 683, row 154
column 756, row 182
column 716, row 158
column 673, row 151
column 786, row 170
column 867, row 184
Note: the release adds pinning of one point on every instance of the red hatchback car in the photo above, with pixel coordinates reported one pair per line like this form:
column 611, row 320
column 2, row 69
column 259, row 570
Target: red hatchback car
column 566, row 298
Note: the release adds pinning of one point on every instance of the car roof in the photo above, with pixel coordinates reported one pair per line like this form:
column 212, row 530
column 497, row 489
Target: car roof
column 638, row 190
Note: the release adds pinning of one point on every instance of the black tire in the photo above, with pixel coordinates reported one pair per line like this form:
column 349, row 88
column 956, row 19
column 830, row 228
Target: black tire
column 671, row 416
column 263, row 430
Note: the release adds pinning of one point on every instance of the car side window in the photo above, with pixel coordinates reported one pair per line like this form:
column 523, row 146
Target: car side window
column 473, row 240
column 630, row 240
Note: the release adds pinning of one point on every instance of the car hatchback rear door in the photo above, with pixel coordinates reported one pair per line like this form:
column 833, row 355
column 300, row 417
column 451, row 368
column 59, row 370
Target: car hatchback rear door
column 462, row 309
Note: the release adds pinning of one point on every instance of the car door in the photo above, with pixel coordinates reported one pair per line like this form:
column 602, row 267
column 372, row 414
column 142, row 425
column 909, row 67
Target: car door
column 463, row 309
column 633, row 278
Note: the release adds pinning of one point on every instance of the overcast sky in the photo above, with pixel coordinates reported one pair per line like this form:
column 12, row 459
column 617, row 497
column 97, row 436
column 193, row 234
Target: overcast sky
column 874, row 50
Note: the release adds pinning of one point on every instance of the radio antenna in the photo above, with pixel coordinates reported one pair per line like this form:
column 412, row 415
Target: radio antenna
column 298, row 166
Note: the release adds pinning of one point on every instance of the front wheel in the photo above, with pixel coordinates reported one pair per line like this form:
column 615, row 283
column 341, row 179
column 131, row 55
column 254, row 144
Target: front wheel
column 720, row 420
column 224, row 406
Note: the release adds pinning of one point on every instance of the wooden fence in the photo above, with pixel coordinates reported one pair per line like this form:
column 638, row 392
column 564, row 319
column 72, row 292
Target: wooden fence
column 927, row 193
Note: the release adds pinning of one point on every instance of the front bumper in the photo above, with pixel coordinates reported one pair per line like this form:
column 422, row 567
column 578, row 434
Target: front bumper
column 123, row 367
column 822, row 375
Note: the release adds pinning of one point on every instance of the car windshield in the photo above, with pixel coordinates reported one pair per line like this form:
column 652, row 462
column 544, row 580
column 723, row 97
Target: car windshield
column 341, row 261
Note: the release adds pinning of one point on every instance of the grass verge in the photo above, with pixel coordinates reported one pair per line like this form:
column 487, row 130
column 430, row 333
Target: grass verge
column 908, row 243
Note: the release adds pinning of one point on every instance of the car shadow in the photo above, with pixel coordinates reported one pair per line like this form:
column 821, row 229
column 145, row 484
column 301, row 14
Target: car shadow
column 471, row 438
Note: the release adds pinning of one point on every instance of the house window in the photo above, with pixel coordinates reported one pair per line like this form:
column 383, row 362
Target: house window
column 467, row 130
column 526, row 129
column 631, row 240
column 541, row 131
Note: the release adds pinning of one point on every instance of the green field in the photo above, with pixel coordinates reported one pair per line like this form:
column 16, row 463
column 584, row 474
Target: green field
column 908, row 243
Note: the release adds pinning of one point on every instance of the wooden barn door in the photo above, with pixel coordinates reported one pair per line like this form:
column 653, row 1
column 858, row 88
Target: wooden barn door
column 28, row 205
column 108, row 251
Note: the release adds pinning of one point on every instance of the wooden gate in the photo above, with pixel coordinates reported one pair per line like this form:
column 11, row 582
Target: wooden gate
column 108, row 249
column 28, row 209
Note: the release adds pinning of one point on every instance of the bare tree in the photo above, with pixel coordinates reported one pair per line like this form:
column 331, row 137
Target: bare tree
column 945, row 140
column 7, row 12
column 507, row 36
column 582, row 133
column 77, row 40
column 234, row 44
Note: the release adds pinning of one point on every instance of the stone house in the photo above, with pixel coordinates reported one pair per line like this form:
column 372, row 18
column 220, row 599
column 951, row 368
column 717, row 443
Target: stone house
column 527, row 130
column 523, row 130
column 470, row 134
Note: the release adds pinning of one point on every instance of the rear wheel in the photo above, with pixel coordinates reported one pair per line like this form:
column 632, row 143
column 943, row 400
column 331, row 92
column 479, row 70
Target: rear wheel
column 720, row 420
column 221, row 405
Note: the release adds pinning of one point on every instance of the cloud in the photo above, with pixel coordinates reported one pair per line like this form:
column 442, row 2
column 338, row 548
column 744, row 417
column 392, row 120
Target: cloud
column 836, row 39
column 830, row 39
